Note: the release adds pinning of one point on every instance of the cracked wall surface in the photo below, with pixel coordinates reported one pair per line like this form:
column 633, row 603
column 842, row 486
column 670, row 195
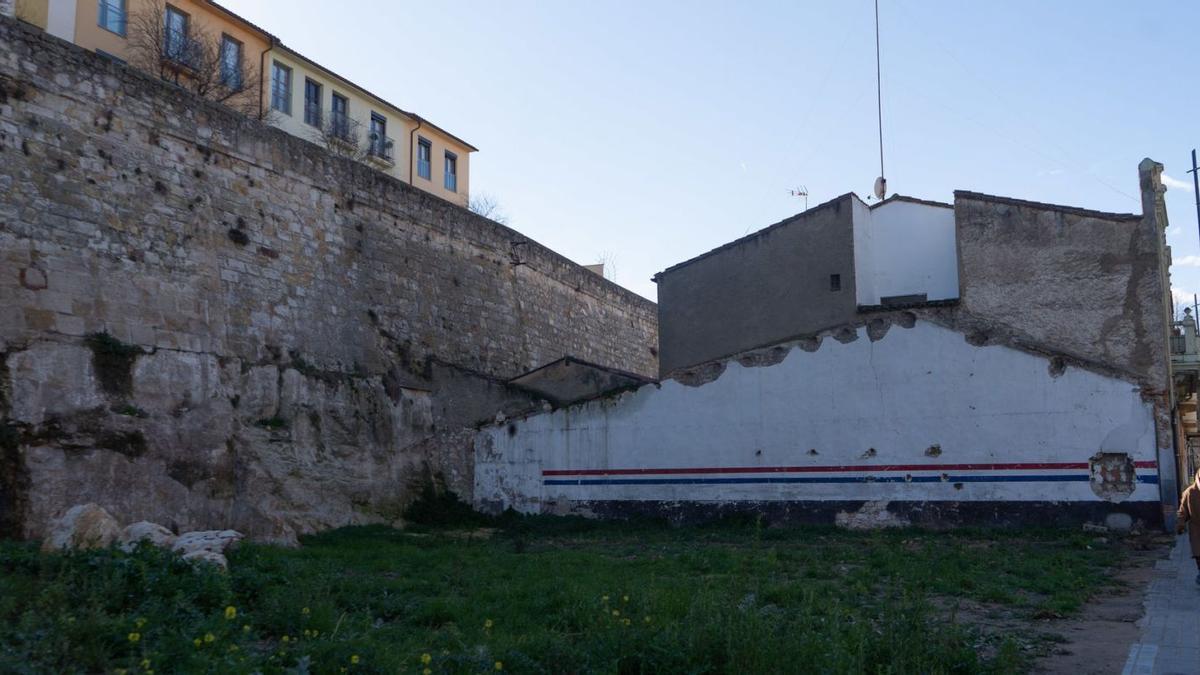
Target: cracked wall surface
column 858, row 425
column 209, row 323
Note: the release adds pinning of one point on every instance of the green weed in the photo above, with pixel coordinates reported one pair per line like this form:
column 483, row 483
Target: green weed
column 574, row 597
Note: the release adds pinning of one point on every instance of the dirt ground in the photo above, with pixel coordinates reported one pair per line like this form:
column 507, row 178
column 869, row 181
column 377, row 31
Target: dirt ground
column 1097, row 640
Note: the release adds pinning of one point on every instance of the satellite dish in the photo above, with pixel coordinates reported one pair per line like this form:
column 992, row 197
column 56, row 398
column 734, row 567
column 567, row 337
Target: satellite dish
column 880, row 187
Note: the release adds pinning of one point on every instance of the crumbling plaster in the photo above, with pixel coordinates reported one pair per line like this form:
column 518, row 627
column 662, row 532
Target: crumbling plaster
column 850, row 419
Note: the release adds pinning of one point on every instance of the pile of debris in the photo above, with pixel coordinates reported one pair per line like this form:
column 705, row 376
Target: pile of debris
column 90, row 526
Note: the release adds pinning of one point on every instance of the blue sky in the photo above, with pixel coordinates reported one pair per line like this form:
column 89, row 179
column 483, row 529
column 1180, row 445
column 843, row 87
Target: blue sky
column 646, row 133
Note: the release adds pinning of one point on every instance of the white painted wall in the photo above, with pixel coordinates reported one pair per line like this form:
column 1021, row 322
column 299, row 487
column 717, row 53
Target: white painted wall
column 913, row 389
column 904, row 248
column 60, row 19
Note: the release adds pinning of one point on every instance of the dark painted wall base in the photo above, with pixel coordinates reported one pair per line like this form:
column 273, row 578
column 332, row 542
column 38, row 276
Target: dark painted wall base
column 1147, row 515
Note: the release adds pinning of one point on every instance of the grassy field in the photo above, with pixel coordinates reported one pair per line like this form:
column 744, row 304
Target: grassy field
column 549, row 595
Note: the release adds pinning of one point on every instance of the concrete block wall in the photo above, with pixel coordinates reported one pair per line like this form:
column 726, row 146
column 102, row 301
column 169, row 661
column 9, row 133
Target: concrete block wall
column 772, row 285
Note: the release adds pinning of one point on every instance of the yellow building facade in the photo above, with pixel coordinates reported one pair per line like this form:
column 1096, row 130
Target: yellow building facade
column 310, row 101
column 285, row 88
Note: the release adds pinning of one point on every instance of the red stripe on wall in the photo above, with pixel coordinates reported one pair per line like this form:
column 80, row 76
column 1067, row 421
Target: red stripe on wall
column 830, row 469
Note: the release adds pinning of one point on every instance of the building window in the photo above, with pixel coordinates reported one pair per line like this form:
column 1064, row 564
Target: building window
column 381, row 145
column 835, row 282
column 312, row 103
column 112, row 16
column 231, row 62
column 175, row 35
column 424, row 158
column 281, row 88
column 451, row 172
column 340, row 117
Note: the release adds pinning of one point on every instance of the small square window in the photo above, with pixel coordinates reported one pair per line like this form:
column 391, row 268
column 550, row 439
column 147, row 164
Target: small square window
column 835, row 282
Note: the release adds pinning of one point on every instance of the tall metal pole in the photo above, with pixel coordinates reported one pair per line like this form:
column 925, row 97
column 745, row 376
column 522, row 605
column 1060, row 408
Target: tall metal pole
column 1196, row 185
column 879, row 89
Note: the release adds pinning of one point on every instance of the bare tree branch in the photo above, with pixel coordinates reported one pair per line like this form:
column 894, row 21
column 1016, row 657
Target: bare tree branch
column 191, row 58
column 487, row 206
column 608, row 260
column 341, row 136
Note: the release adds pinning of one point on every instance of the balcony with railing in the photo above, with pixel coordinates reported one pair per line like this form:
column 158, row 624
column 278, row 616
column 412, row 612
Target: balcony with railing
column 341, row 128
column 380, row 148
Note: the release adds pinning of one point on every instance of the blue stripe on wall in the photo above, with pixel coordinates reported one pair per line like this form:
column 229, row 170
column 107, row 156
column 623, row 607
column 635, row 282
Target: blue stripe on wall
column 761, row 480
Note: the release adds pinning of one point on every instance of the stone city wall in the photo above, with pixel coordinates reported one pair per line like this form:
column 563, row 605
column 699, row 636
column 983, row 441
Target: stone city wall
column 207, row 322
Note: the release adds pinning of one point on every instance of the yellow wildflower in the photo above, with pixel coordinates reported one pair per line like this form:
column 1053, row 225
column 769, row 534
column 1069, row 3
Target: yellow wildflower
column 197, row 642
column 426, row 658
column 134, row 637
column 625, row 621
column 286, row 639
column 625, row 598
column 499, row 665
column 604, row 598
column 616, row 612
column 354, row 658
column 231, row 613
column 487, row 624
column 246, row 628
column 209, row 637
column 304, row 611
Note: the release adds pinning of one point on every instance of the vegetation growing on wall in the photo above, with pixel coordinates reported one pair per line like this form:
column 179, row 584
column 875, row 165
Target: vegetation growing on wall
column 113, row 361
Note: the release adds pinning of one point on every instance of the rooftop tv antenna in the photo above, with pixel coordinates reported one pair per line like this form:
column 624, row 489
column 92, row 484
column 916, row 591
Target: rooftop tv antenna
column 801, row 191
column 881, row 182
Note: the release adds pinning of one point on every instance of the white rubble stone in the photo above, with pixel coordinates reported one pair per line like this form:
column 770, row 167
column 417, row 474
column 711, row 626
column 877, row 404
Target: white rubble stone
column 82, row 526
column 145, row 531
column 215, row 541
column 211, row 557
column 1119, row 522
column 873, row 515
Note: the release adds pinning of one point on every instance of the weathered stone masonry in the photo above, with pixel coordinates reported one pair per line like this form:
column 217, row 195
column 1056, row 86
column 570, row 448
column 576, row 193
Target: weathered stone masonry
column 207, row 322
